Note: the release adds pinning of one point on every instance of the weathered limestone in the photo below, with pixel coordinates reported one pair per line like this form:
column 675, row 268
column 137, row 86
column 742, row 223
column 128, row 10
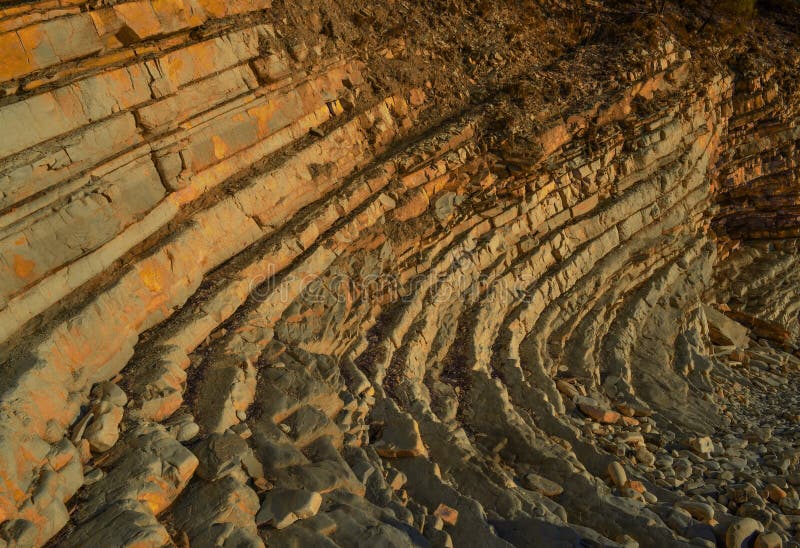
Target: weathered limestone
column 369, row 275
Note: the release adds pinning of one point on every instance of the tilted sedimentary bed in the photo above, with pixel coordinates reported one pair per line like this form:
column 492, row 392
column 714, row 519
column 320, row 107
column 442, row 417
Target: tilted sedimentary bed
column 396, row 274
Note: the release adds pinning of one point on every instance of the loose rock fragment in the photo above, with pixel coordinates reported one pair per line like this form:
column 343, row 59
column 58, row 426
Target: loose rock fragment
column 600, row 414
column 542, row 485
column 282, row 507
column 103, row 431
column 617, row 474
column 446, row 514
column 702, row 445
column 398, row 434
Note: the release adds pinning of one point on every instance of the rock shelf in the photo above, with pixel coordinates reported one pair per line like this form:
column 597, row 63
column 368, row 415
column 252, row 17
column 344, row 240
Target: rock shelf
column 397, row 274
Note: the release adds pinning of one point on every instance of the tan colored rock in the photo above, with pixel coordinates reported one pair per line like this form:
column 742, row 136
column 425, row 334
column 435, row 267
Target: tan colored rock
column 644, row 456
column 227, row 503
column 446, row 514
column 637, row 486
column 110, row 392
column 699, row 510
column 701, row 445
column 567, row 389
column 774, row 493
column 768, row 540
column 399, row 433
column 103, row 432
column 177, row 196
column 617, row 474
column 725, row 331
column 542, row 485
column 742, row 533
column 396, row 479
column 599, row 414
column 282, row 507
column 151, row 468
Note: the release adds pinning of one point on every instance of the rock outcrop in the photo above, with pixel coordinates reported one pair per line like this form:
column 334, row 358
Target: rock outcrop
column 397, row 273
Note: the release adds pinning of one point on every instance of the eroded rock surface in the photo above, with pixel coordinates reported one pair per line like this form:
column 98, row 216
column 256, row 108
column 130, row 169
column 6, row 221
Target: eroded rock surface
column 398, row 273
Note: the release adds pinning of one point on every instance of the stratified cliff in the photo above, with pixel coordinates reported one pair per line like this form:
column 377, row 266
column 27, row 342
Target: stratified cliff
column 398, row 273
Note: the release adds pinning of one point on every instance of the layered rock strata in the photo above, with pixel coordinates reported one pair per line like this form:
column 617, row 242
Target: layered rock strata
column 293, row 275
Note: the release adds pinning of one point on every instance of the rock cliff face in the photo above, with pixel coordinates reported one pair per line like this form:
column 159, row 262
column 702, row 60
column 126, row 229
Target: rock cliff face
column 396, row 273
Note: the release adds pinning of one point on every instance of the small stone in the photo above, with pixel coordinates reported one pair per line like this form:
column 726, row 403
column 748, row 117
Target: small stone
column 396, row 479
column 790, row 505
column 639, row 410
column 625, row 409
column 242, row 430
column 698, row 510
column 631, row 493
column 187, row 432
column 664, row 461
column 629, row 421
column 567, row 389
column 634, row 439
column 628, row 541
column 599, row 414
column 742, row 493
column 438, row 538
column 84, row 450
column 637, row 486
column 678, row 520
column 446, row 514
column 542, row 485
column 262, row 484
column 93, row 476
column 702, row 445
column 617, row 474
column 774, row 493
column 644, row 456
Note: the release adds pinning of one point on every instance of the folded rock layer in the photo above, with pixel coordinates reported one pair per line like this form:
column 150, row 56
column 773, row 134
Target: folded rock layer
column 394, row 273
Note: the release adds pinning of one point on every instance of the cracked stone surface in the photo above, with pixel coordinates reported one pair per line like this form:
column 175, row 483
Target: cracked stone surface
column 399, row 273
